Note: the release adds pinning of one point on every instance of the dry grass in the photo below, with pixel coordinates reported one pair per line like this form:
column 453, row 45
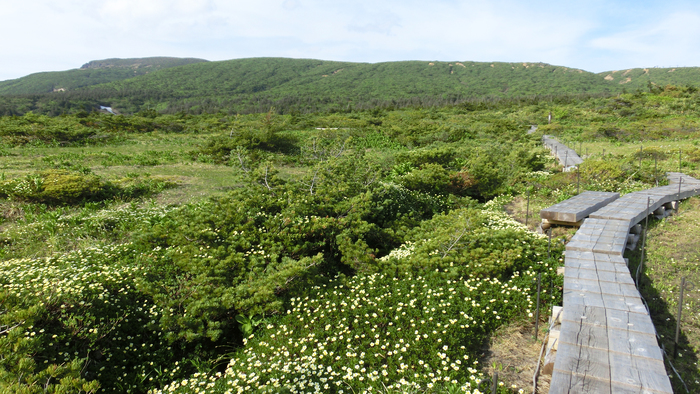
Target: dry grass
column 514, row 353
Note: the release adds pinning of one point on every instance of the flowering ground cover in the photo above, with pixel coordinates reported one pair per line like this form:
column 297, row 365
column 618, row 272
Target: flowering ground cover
column 375, row 333
column 342, row 252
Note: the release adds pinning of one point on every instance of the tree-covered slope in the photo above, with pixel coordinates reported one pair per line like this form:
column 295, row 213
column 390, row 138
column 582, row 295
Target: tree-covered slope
column 277, row 78
column 307, row 85
column 93, row 73
column 639, row 78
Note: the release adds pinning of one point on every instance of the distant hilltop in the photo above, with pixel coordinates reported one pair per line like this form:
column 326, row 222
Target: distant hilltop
column 153, row 62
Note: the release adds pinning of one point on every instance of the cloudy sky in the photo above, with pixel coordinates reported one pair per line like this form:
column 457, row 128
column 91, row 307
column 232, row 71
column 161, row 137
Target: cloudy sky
column 594, row 35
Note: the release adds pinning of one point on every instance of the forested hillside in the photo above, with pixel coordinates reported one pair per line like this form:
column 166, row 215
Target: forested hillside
column 93, row 73
column 640, row 78
column 170, row 85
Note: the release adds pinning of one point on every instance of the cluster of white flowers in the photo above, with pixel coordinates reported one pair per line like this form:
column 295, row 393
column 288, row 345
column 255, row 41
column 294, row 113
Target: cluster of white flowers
column 498, row 219
column 538, row 174
column 401, row 252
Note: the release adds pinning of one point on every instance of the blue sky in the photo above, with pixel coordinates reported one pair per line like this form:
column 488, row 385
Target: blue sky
column 594, row 35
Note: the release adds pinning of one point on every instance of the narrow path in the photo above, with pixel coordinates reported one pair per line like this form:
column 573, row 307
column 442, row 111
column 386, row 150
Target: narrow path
column 607, row 342
column 566, row 156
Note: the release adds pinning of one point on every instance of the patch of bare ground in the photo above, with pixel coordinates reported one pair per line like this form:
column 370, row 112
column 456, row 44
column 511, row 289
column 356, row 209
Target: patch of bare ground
column 514, row 353
column 518, row 210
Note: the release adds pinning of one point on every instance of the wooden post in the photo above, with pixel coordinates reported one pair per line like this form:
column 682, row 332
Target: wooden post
column 656, row 177
column 641, row 151
column 537, row 310
column 578, row 180
column 603, row 153
column 680, row 163
column 644, row 241
column 494, row 384
column 566, row 159
column 549, row 245
column 678, row 320
column 527, row 210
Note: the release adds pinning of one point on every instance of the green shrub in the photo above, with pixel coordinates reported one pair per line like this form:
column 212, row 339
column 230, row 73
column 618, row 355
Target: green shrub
column 430, row 178
column 67, row 187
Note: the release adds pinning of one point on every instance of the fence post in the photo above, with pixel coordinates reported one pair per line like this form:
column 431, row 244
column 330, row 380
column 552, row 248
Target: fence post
column 537, row 310
column 678, row 321
column 578, row 180
column 656, row 177
column 644, row 241
column 527, row 210
column 494, row 384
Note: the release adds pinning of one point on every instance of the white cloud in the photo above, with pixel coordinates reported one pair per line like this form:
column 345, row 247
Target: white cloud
column 671, row 41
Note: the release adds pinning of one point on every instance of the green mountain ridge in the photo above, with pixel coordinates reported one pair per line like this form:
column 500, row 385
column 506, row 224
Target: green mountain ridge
column 309, row 85
column 639, row 78
column 92, row 73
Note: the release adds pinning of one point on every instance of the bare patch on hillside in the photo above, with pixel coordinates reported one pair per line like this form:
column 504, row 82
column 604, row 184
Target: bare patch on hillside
column 626, row 80
column 609, row 77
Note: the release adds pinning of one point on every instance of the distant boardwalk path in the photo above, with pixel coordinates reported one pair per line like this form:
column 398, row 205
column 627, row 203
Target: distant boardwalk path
column 566, row 156
column 607, row 342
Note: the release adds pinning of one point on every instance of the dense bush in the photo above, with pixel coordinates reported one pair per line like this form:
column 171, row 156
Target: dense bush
column 67, row 187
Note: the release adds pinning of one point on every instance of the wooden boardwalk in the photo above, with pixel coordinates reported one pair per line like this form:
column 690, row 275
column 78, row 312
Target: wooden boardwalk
column 578, row 208
column 566, row 156
column 607, row 342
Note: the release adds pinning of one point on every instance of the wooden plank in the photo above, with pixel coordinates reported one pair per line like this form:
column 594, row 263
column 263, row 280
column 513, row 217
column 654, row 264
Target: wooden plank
column 581, row 314
column 634, row 343
column 619, row 388
column 623, row 320
column 642, row 373
column 582, row 361
column 578, row 207
column 603, row 301
column 584, row 335
column 566, row 383
column 631, row 304
column 612, row 318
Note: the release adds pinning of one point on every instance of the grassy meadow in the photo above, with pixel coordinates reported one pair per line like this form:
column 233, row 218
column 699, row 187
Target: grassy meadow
column 364, row 251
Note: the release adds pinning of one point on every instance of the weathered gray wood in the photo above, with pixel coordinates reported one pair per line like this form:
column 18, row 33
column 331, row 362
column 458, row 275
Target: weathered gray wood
column 586, row 335
column 623, row 320
column 644, row 374
column 582, row 361
column 564, row 382
column 674, row 178
column 634, row 344
column 578, row 207
column 628, row 304
column 603, row 276
column 596, row 286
